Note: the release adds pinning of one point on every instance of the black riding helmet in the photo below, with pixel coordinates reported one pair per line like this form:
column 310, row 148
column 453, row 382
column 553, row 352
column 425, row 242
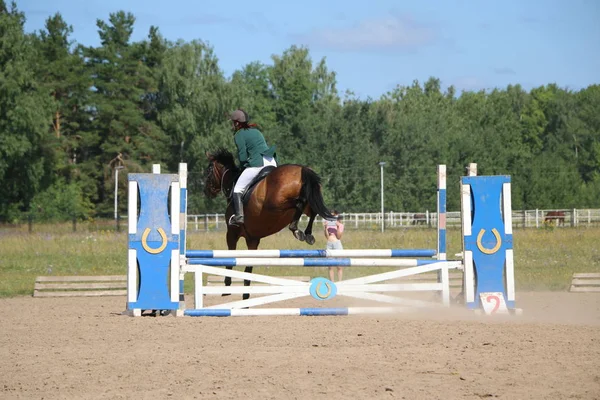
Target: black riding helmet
column 239, row 115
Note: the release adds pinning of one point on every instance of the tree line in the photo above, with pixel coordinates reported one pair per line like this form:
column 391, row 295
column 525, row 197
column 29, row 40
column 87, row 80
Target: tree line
column 71, row 114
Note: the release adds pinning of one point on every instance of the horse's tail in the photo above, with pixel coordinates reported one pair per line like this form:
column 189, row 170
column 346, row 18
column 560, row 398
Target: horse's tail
column 311, row 191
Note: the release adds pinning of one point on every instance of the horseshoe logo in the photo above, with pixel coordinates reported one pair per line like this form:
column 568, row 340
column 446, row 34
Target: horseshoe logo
column 322, row 289
column 493, row 249
column 318, row 290
column 149, row 249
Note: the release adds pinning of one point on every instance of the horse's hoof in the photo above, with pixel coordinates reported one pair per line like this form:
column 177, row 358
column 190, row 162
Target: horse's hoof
column 310, row 239
column 299, row 235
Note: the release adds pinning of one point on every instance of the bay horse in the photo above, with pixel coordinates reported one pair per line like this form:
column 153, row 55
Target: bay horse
column 276, row 201
column 555, row 217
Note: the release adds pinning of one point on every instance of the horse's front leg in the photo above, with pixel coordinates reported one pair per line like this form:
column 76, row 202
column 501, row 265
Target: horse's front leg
column 252, row 245
column 233, row 235
column 310, row 239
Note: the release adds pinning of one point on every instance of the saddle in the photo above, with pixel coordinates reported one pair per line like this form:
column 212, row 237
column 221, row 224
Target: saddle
column 261, row 175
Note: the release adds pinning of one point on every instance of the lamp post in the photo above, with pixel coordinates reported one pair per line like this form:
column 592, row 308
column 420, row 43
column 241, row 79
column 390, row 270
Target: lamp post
column 116, row 195
column 381, row 164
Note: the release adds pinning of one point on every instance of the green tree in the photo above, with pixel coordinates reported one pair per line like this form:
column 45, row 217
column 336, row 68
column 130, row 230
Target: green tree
column 26, row 150
column 251, row 91
column 120, row 124
column 62, row 74
column 296, row 89
column 585, row 128
column 61, row 201
column 193, row 101
column 420, row 122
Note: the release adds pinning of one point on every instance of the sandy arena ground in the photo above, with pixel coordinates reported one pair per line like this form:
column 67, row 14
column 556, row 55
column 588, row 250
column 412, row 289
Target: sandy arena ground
column 83, row 348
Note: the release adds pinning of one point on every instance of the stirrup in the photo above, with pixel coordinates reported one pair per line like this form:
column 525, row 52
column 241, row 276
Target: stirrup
column 236, row 220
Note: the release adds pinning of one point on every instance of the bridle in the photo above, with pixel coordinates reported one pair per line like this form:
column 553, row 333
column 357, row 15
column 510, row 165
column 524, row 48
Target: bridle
column 219, row 177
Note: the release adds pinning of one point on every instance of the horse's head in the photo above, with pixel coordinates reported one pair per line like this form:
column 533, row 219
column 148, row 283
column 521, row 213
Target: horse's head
column 220, row 173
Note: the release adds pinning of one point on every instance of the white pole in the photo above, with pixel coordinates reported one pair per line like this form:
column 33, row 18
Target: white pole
column 381, row 164
column 117, row 191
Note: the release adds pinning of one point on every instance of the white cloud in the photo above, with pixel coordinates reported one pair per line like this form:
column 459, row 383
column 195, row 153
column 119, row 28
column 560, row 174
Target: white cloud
column 469, row 83
column 255, row 23
column 392, row 32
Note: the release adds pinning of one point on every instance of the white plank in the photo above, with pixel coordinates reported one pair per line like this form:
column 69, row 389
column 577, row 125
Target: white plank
column 585, row 282
column 257, row 289
column 81, row 293
column 469, row 280
column 81, row 278
column 175, row 203
column 385, row 287
column 259, row 301
column 510, row 275
column 238, row 274
column 174, row 275
column 132, row 200
column 587, row 289
column 75, row 286
column 507, row 211
column 465, row 205
column 132, row 278
column 587, row 275
column 399, row 273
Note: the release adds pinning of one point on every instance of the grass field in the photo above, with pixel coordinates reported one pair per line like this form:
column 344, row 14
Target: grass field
column 545, row 259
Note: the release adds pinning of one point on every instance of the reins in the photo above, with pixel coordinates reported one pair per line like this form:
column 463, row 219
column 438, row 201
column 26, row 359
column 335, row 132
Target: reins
column 222, row 179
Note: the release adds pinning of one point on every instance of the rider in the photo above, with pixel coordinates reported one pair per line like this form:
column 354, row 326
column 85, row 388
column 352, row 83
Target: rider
column 253, row 154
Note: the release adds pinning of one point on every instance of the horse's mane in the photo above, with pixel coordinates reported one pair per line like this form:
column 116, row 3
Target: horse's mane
column 224, row 157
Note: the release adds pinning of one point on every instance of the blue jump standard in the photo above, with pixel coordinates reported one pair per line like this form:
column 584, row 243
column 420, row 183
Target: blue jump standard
column 319, row 253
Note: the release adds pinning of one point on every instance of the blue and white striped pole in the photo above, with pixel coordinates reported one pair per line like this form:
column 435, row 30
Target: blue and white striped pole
column 237, row 312
column 183, row 226
column 310, row 253
column 442, row 274
column 312, row 262
column 441, row 210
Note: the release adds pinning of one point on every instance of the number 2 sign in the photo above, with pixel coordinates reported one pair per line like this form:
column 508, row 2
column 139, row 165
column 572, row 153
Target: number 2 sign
column 493, row 303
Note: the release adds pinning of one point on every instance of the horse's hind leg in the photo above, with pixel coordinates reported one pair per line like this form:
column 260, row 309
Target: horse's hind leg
column 298, row 234
column 310, row 239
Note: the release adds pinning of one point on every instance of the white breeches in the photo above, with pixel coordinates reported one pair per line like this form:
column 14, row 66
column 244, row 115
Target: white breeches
column 249, row 174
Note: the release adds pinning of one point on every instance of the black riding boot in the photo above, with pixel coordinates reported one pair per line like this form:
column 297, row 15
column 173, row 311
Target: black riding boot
column 238, row 218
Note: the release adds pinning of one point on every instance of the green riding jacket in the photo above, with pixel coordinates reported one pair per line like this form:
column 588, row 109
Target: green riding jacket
column 252, row 147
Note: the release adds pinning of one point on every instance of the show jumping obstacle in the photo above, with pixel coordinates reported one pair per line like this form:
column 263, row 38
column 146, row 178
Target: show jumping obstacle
column 158, row 259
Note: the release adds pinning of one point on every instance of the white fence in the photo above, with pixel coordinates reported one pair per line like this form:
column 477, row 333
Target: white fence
column 401, row 220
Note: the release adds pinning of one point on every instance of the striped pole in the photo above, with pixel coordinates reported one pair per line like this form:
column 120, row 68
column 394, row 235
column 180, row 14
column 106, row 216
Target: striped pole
column 441, row 209
column 183, row 229
column 237, row 312
column 314, row 262
column 441, row 230
column 309, row 253
column 132, row 278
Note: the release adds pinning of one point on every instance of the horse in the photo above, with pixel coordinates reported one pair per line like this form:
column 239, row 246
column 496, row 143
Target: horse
column 555, row 217
column 276, row 201
column 419, row 219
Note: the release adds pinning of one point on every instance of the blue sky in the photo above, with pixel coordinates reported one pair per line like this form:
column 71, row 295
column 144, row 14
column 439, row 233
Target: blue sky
column 374, row 45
